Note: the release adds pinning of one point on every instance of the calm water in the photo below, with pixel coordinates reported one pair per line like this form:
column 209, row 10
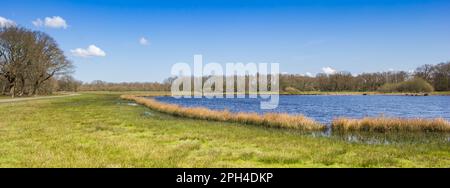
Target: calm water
column 325, row 108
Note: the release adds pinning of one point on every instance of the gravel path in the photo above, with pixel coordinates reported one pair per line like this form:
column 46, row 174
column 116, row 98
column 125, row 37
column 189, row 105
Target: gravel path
column 35, row 98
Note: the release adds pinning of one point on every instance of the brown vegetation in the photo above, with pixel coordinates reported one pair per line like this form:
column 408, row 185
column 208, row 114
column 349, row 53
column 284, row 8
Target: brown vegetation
column 299, row 122
column 384, row 124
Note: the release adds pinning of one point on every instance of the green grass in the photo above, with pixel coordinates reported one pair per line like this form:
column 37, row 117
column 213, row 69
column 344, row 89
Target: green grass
column 441, row 93
column 26, row 96
column 4, row 97
column 101, row 130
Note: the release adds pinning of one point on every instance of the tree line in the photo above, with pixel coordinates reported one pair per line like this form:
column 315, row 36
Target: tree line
column 98, row 85
column 30, row 62
column 437, row 75
column 425, row 78
column 428, row 77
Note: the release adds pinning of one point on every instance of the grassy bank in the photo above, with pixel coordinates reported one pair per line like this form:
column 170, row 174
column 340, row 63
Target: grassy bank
column 101, row 130
column 276, row 120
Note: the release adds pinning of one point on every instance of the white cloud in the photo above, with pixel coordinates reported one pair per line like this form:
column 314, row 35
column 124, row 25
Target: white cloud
column 329, row 70
column 91, row 51
column 38, row 22
column 309, row 74
column 4, row 22
column 55, row 22
column 143, row 41
column 51, row 22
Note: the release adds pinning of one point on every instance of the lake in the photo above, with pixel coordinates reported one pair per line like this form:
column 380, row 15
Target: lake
column 324, row 108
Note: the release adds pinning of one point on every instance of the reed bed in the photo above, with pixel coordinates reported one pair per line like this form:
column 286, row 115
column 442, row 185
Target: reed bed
column 385, row 124
column 276, row 120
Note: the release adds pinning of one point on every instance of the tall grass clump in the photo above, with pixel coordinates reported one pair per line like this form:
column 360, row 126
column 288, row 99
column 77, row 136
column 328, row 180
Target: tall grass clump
column 276, row 120
column 384, row 124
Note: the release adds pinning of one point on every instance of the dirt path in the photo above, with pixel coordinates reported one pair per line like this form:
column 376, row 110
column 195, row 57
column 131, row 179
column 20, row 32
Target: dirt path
column 35, row 98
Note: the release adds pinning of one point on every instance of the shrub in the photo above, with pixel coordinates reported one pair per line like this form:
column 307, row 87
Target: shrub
column 291, row 90
column 415, row 85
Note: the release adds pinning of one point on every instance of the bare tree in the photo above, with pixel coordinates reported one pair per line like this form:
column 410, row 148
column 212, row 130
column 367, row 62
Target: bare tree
column 28, row 59
column 14, row 54
column 425, row 72
column 48, row 61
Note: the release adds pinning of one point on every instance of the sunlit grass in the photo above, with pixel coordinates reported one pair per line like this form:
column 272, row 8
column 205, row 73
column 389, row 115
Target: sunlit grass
column 441, row 93
column 101, row 130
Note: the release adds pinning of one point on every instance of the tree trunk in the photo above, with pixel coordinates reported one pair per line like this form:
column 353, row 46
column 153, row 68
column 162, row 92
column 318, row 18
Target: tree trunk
column 12, row 90
column 4, row 89
column 35, row 88
column 22, row 87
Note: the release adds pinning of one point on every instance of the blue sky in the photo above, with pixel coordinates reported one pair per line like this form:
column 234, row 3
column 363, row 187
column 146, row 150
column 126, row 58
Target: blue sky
column 303, row 36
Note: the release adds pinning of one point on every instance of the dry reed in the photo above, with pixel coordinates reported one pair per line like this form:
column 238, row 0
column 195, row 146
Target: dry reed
column 385, row 124
column 299, row 122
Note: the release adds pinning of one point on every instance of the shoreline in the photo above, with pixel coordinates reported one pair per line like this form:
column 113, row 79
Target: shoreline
column 300, row 122
column 276, row 120
column 338, row 93
column 343, row 93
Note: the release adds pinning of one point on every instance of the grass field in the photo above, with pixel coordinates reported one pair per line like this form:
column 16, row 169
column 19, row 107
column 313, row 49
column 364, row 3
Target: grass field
column 101, row 130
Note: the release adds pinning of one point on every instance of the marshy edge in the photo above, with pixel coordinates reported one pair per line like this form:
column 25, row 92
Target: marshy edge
column 298, row 122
